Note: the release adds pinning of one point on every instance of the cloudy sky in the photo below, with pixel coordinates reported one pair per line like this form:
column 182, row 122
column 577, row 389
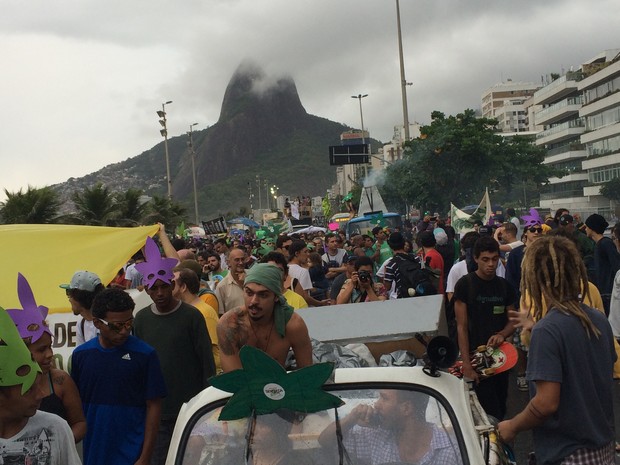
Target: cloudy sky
column 81, row 80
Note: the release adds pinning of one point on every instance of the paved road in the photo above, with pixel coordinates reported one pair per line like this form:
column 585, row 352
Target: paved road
column 517, row 400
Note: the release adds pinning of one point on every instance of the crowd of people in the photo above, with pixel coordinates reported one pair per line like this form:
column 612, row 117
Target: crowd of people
column 532, row 282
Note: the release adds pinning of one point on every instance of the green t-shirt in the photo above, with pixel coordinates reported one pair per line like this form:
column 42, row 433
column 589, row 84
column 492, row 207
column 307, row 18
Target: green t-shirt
column 384, row 254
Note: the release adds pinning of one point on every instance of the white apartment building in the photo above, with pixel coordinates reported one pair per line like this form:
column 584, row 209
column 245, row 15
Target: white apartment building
column 393, row 151
column 559, row 104
column 600, row 90
column 508, row 103
column 581, row 117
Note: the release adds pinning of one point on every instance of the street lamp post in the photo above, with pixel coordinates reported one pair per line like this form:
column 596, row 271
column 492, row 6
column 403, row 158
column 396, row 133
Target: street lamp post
column 274, row 193
column 403, row 81
column 260, row 203
column 192, row 154
column 360, row 97
column 164, row 133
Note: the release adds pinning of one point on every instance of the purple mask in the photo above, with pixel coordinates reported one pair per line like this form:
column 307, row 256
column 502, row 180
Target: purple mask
column 155, row 267
column 30, row 320
column 533, row 219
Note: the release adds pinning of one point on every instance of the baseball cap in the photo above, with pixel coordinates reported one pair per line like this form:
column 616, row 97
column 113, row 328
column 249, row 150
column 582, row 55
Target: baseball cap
column 84, row 281
column 565, row 219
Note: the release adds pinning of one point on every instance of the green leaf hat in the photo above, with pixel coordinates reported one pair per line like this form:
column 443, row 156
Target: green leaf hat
column 262, row 386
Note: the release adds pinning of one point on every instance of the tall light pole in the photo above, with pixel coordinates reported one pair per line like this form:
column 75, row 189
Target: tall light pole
column 360, row 97
column 192, row 154
column 164, row 133
column 260, row 203
column 403, row 81
column 274, row 193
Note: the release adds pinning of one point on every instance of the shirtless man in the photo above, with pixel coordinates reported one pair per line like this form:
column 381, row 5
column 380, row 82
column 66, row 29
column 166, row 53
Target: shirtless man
column 266, row 322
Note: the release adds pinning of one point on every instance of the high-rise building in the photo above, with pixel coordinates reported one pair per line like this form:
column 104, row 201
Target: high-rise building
column 600, row 88
column 393, row 151
column 506, row 102
column 581, row 117
column 559, row 103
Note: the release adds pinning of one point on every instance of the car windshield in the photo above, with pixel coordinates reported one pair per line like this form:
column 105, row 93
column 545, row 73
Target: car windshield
column 365, row 226
column 376, row 426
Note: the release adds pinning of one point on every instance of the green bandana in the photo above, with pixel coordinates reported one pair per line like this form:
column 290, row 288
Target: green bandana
column 16, row 363
column 270, row 276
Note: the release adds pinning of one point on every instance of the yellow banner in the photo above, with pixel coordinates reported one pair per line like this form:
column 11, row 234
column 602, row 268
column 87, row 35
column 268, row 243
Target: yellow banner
column 48, row 255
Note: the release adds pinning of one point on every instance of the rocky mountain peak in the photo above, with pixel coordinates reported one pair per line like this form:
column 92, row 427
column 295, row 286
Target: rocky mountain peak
column 250, row 88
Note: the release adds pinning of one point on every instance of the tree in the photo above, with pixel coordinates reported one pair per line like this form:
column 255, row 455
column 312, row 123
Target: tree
column 457, row 157
column 166, row 211
column 35, row 206
column 611, row 189
column 95, row 206
column 131, row 207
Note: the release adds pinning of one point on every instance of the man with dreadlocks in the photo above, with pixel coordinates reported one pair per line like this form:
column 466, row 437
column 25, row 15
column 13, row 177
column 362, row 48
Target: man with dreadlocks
column 570, row 362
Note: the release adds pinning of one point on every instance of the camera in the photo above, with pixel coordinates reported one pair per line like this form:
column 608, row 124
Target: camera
column 363, row 276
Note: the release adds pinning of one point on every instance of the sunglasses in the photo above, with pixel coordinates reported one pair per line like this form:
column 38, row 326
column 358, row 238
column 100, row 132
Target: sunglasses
column 535, row 230
column 118, row 327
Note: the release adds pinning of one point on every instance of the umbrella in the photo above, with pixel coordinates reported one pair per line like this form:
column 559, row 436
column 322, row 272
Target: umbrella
column 310, row 229
column 245, row 221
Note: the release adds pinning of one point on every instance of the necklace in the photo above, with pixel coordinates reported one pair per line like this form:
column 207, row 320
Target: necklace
column 268, row 337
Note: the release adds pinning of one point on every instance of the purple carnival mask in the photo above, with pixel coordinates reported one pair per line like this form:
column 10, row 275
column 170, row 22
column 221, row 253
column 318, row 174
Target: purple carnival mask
column 155, row 267
column 30, row 320
column 533, row 219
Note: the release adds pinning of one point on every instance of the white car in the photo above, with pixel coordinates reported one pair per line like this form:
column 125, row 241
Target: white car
column 444, row 410
column 199, row 438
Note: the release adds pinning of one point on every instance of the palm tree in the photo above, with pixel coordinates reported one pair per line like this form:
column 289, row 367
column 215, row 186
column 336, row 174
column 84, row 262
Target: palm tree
column 132, row 207
column 96, row 206
column 35, row 206
column 164, row 210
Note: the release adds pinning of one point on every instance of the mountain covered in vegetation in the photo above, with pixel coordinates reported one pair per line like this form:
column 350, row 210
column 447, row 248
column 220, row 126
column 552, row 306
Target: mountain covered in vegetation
column 263, row 129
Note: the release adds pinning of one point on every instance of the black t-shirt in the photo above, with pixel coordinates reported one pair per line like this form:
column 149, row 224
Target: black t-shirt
column 606, row 263
column 486, row 305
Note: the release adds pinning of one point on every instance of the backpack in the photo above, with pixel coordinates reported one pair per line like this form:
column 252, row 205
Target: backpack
column 416, row 277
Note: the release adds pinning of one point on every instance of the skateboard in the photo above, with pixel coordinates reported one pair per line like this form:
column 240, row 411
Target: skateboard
column 489, row 361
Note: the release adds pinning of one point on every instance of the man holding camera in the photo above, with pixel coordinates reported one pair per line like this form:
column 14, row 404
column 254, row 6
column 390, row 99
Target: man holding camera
column 361, row 286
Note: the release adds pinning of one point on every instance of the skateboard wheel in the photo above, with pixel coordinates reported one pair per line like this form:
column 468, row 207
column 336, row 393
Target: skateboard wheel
column 482, row 348
column 489, row 372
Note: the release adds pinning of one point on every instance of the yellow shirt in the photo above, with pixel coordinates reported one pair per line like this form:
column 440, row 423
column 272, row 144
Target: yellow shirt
column 295, row 300
column 593, row 300
column 211, row 317
column 210, row 300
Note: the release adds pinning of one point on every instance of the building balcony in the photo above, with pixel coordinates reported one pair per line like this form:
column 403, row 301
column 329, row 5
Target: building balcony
column 599, row 162
column 558, row 111
column 590, row 191
column 604, row 132
column 611, row 100
column 574, row 195
column 570, row 147
column 567, row 130
column 581, row 176
column 576, row 204
column 558, row 89
column 565, row 156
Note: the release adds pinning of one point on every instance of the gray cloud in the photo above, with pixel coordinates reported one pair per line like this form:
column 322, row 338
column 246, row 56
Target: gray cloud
column 83, row 79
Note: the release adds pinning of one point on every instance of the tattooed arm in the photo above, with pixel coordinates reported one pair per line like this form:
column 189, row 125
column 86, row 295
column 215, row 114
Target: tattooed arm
column 232, row 334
